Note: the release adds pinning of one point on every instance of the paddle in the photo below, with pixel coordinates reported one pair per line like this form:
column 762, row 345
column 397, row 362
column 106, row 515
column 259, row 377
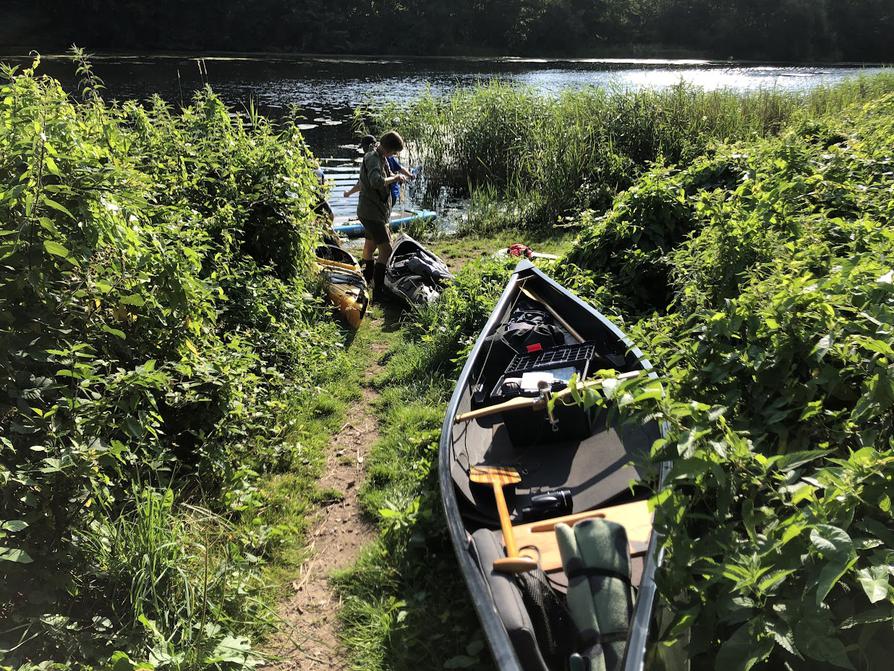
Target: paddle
column 536, row 403
column 498, row 477
column 549, row 308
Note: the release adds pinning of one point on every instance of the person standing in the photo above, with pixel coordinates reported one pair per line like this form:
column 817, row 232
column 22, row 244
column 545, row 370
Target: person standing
column 374, row 208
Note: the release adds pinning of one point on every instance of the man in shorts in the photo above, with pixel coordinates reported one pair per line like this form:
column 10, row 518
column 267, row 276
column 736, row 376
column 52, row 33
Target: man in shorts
column 374, row 208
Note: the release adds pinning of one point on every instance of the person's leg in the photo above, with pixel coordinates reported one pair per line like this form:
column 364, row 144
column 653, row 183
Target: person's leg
column 380, row 293
column 366, row 262
column 369, row 246
column 384, row 252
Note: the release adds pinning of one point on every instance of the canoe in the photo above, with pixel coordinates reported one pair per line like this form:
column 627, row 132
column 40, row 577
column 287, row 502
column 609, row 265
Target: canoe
column 574, row 472
column 344, row 283
column 414, row 273
column 354, row 229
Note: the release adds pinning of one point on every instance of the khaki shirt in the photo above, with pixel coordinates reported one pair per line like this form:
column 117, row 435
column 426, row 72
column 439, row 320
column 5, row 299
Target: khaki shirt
column 375, row 198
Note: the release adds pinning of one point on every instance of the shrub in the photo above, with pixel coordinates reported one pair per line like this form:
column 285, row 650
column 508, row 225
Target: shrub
column 153, row 330
column 779, row 394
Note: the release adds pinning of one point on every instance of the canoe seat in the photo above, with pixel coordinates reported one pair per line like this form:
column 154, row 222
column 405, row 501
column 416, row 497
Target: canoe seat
column 486, row 546
column 538, row 539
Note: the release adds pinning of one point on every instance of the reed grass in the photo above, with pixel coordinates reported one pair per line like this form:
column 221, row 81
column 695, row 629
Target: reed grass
column 545, row 157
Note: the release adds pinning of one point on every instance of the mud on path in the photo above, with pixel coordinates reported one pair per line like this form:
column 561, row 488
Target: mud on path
column 308, row 638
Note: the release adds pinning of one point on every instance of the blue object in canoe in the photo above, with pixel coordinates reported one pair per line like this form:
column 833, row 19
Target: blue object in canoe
column 355, row 230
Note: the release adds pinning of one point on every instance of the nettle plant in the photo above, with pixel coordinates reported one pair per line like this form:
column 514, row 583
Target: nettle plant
column 153, row 335
column 777, row 390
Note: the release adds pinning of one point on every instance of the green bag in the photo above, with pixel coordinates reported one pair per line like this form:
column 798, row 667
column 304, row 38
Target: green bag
column 596, row 560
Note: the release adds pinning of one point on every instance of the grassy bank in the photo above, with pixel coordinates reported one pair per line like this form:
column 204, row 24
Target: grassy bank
column 163, row 360
column 528, row 160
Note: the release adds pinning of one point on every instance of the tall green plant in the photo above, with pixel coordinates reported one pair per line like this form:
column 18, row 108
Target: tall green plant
column 153, row 329
column 546, row 158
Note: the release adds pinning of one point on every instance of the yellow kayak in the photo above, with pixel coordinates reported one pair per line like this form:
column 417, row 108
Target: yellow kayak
column 344, row 283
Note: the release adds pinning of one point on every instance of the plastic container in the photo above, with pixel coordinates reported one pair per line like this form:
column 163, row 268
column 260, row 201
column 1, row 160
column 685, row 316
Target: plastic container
column 555, row 366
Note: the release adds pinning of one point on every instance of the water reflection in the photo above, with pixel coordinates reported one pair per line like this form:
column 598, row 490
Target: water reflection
column 328, row 89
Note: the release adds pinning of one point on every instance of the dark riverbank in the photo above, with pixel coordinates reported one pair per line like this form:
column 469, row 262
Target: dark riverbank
column 788, row 30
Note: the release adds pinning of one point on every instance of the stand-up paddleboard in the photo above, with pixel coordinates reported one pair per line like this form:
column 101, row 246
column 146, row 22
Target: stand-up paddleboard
column 354, row 229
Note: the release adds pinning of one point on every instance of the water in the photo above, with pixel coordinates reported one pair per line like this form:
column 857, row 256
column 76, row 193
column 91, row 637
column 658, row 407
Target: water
column 328, row 89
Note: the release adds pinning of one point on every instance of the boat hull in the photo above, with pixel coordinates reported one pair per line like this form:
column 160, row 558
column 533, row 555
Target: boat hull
column 344, row 283
column 455, row 495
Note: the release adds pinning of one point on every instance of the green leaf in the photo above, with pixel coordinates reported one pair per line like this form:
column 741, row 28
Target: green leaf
column 831, row 541
column 875, row 582
column 14, row 525
column 133, row 299
column 120, row 661
column 741, row 651
column 662, row 496
column 804, row 491
column 789, row 462
column 115, row 332
column 49, row 202
column 873, row 616
column 15, row 555
column 792, row 532
column 831, row 573
column 828, row 649
column 55, row 248
column 235, row 650
column 774, row 579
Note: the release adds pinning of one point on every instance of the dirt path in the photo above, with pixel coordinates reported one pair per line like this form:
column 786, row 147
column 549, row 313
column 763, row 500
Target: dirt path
column 308, row 638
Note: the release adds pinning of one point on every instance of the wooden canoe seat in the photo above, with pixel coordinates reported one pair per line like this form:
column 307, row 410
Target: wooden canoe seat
column 634, row 517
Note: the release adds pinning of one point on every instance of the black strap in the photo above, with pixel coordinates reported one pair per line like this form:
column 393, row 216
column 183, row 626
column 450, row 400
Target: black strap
column 590, row 572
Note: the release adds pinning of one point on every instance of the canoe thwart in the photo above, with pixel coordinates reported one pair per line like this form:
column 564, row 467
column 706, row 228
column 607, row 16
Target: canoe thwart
column 535, row 402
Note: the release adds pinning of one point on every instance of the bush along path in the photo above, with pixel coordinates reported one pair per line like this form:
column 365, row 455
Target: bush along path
column 166, row 374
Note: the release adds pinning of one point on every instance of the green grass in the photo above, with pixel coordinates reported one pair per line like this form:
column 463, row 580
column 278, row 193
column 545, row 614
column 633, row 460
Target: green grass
column 288, row 499
column 404, row 602
column 458, row 251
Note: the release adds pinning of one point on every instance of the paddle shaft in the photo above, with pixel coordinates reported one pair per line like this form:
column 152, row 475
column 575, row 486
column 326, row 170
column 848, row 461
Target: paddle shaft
column 534, row 297
column 505, row 524
column 533, row 403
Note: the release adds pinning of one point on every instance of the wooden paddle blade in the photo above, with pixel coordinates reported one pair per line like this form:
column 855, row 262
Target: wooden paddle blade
column 514, row 564
column 502, row 475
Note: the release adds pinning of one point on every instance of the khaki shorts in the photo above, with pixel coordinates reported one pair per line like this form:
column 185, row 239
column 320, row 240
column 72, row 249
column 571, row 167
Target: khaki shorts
column 377, row 231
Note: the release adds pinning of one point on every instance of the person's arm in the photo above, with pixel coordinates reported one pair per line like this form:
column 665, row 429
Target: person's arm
column 354, row 189
column 377, row 179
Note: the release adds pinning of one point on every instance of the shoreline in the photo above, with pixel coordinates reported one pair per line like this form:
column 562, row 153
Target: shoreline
column 681, row 59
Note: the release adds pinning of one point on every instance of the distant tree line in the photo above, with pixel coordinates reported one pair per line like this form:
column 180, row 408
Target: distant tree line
column 761, row 29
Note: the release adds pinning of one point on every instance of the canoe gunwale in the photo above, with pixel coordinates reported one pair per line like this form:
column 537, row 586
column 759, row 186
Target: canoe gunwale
column 497, row 637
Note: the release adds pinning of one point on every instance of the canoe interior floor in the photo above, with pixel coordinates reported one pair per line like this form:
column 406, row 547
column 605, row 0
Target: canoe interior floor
column 597, row 470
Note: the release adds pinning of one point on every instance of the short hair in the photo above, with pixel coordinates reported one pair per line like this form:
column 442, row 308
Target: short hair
column 392, row 141
column 367, row 142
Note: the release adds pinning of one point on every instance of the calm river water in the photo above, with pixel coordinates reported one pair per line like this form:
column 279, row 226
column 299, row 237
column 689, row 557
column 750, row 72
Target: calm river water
column 327, row 89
